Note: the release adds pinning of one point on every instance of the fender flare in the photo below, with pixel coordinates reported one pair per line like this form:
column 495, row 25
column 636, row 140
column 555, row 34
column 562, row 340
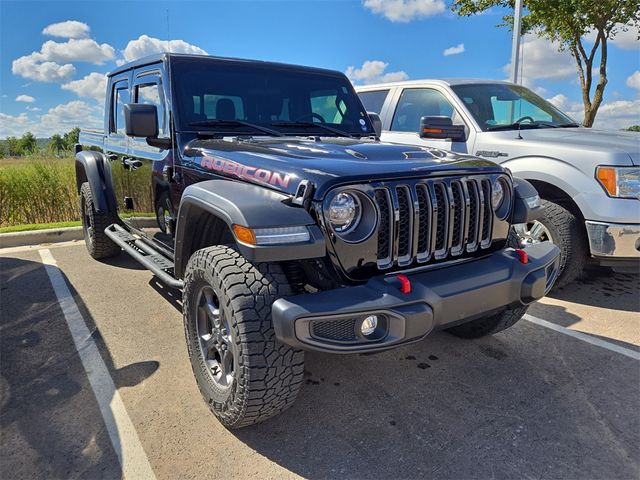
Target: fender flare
column 93, row 167
column 248, row 205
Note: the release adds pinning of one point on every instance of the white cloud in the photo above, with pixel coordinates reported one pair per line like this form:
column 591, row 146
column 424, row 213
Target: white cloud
column 77, row 50
column 146, row 45
column 614, row 115
column 373, row 71
column 25, row 98
column 48, row 65
column 541, row 60
column 33, row 109
column 618, row 114
column 14, row 125
column 59, row 119
column 33, row 67
column 633, row 81
column 627, row 40
column 68, row 29
column 405, row 10
column 454, row 50
column 559, row 100
column 92, row 86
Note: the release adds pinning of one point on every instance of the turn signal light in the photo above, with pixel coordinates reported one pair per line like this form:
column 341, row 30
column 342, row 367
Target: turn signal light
column 608, row 178
column 244, row 234
column 431, row 130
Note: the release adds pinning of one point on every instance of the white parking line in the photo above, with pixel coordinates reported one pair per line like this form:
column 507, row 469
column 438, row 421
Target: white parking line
column 122, row 433
column 584, row 337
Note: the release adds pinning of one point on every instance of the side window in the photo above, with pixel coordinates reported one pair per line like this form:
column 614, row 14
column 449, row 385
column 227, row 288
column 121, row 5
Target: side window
column 120, row 98
column 149, row 93
column 416, row 103
column 373, row 101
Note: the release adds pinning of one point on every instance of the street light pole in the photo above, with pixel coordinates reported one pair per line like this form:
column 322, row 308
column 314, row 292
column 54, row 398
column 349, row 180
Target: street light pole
column 515, row 46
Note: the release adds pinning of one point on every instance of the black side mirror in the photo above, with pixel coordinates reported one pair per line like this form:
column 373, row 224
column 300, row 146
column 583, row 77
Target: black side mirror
column 140, row 120
column 442, row 128
column 376, row 122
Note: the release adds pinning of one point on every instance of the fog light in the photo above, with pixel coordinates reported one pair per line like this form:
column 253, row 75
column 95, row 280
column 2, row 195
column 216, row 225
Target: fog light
column 369, row 325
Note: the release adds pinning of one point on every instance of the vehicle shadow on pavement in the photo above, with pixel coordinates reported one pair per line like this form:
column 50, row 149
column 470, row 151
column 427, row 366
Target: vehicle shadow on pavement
column 515, row 405
column 601, row 287
column 50, row 420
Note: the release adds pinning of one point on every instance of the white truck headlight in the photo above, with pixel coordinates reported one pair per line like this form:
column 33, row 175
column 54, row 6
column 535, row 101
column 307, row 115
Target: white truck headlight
column 620, row 182
column 345, row 211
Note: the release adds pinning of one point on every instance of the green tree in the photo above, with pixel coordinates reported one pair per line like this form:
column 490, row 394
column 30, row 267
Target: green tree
column 570, row 22
column 56, row 144
column 12, row 147
column 71, row 138
column 28, row 143
column 634, row 128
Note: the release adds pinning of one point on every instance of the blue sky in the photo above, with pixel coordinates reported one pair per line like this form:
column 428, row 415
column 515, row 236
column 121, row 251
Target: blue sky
column 53, row 54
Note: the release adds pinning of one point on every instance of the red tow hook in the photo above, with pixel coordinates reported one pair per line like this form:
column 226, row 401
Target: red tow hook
column 522, row 256
column 405, row 283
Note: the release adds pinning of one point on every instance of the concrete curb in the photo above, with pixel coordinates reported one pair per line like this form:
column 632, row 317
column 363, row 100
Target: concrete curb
column 52, row 235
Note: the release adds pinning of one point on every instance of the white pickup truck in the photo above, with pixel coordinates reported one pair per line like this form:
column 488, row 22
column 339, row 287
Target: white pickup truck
column 589, row 180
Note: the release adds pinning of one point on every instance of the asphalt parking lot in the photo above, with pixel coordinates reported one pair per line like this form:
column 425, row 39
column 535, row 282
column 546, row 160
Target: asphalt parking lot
column 531, row 402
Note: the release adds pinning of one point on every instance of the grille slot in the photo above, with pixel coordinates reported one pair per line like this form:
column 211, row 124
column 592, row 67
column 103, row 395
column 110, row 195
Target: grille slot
column 343, row 330
column 433, row 219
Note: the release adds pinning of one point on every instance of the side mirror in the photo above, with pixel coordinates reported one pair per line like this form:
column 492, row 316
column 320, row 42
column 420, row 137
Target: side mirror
column 442, row 128
column 140, row 120
column 377, row 123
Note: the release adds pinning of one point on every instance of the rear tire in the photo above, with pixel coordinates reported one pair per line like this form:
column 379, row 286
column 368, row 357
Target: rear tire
column 93, row 226
column 244, row 374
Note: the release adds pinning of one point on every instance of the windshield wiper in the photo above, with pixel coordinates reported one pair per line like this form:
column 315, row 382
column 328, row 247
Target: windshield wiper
column 568, row 125
column 337, row 131
column 234, row 123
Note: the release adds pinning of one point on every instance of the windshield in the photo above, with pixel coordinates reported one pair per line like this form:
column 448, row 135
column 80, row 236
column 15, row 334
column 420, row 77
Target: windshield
column 248, row 98
column 507, row 107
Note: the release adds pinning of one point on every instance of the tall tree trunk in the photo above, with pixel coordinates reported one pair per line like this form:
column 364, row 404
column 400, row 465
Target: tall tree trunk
column 585, row 73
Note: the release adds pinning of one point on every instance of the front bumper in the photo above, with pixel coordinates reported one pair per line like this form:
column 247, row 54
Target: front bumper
column 614, row 244
column 330, row 321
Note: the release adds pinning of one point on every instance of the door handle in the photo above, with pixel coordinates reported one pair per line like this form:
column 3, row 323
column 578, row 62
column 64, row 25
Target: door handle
column 131, row 163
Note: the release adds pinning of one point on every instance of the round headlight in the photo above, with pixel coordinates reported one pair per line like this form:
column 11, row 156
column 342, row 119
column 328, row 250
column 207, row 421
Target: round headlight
column 344, row 212
column 497, row 194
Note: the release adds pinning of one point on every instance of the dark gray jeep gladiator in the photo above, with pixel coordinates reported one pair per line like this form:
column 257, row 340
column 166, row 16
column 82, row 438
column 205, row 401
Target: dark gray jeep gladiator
column 263, row 192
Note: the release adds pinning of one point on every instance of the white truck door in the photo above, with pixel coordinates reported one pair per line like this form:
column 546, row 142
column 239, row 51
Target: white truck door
column 411, row 106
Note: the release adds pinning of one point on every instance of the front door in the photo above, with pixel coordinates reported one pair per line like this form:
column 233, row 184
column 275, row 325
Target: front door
column 413, row 104
column 151, row 168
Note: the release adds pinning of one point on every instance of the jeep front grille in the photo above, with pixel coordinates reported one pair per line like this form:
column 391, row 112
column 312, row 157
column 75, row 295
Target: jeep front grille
column 432, row 219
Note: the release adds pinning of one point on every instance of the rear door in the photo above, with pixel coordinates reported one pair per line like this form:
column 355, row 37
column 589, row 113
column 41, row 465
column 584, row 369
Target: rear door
column 117, row 142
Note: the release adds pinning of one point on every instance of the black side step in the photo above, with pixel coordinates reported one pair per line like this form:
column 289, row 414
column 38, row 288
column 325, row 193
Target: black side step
column 161, row 266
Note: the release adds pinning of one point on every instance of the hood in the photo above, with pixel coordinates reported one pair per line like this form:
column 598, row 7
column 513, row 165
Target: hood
column 282, row 163
column 620, row 147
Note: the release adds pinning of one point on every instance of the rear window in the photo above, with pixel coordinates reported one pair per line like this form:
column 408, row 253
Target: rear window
column 374, row 100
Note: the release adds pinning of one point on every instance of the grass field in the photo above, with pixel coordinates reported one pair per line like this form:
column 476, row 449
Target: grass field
column 41, row 189
column 38, row 189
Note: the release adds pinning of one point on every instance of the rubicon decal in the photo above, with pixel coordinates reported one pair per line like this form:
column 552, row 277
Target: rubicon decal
column 236, row 169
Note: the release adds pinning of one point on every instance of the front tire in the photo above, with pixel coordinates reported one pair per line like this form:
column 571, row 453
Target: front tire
column 93, row 226
column 563, row 228
column 244, row 374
